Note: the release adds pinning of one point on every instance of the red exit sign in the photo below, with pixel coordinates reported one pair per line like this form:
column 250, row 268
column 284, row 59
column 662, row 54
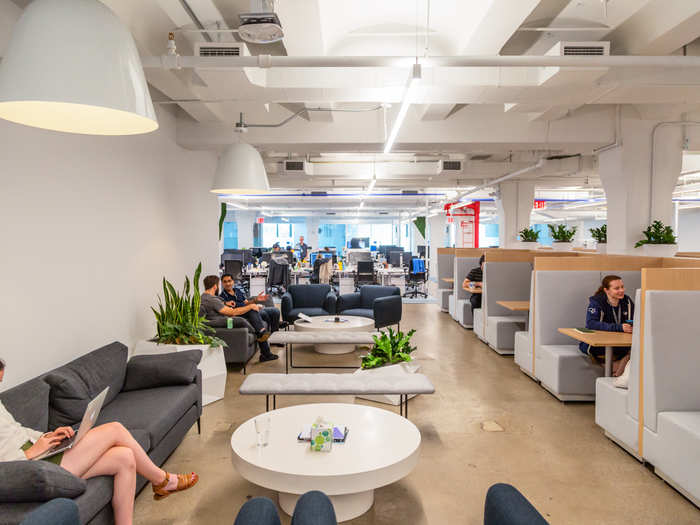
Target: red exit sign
column 538, row 205
column 260, row 220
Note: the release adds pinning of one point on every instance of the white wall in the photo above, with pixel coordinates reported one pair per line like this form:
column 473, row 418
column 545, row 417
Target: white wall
column 689, row 230
column 88, row 227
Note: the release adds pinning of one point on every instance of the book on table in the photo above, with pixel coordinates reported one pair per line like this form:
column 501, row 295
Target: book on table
column 584, row 330
column 340, row 434
column 304, row 318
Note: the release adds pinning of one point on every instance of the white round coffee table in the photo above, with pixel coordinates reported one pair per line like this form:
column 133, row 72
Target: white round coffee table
column 381, row 448
column 347, row 323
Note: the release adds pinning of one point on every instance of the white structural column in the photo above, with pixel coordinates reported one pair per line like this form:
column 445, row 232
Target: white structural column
column 514, row 204
column 311, row 239
column 245, row 220
column 636, row 198
column 437, row 226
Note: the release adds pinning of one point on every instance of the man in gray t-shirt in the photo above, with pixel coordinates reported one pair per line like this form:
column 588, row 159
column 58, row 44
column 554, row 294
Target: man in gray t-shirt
column 212, row 305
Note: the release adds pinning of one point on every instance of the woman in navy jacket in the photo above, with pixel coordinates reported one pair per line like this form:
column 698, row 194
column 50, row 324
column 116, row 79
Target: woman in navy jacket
column 610, row 310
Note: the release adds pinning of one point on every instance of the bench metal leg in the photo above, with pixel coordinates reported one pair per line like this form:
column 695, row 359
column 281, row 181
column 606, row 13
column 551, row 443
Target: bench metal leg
column 274, row 402
column 267, row 402
column 403, row 405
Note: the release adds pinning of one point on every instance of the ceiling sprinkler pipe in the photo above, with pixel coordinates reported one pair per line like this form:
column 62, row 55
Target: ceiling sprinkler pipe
column 269, row 61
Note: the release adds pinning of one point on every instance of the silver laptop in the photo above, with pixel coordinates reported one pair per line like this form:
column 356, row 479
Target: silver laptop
column 92, row 412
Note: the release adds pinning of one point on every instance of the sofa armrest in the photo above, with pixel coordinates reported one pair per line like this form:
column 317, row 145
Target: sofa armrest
column 387, row 310
column 329, row 303
column 198, row 382
column 33, row 481
column 348, row 301
column 287, row 305
column 151, row 371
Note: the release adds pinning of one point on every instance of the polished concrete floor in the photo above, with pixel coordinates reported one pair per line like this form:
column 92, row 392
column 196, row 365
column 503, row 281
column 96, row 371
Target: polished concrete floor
column 553, row 452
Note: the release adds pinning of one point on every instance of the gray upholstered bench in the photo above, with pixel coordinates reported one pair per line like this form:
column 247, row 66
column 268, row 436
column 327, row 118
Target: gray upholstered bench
column 336, row 384
column 289, row 339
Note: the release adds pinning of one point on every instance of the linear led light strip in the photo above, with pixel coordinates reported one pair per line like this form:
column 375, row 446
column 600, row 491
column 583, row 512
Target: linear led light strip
column 405, row 102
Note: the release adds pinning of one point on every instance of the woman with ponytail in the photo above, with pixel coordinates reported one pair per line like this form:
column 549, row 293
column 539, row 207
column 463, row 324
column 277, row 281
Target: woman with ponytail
column 609, row 309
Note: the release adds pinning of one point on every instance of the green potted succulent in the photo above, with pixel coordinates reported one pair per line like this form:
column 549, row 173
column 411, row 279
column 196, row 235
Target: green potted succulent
column 563, row 237
column 529, row 237
column 179, row 327
column 659, row 240
column 601, row 237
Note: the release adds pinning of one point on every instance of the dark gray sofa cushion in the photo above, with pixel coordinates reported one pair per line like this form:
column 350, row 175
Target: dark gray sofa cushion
column 311, row 312
column 29, row 404
column 359, row 312
column 154, row 410
column 370, row 292
column 29, row 481
column 75, row 384
column 150, row 371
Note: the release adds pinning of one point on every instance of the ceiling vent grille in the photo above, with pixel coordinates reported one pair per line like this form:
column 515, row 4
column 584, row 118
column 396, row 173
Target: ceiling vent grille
column 481, row 156
column 409, row 192
column 573, row 50
column 221, row 49
column 383, row 213
column 319, row 193
column 293, row 165
column 330, row 213
column 452, row 165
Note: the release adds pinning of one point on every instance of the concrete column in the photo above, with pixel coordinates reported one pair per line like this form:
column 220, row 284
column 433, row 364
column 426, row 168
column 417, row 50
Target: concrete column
column 634, row 197
column 245, row 220
column 312, row 225
column 514, row 205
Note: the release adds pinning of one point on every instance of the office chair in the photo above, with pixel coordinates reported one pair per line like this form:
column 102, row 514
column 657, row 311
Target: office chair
column 416, row 279
column 235, row 268
column 364, row 273
column 278, row 275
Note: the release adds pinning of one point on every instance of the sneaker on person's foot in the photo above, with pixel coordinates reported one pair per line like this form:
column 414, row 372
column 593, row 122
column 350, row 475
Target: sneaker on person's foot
column 271, row 357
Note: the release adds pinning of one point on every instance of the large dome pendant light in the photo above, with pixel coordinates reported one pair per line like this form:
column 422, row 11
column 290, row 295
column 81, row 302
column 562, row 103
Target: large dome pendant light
column 240, row 171
column 72, row 66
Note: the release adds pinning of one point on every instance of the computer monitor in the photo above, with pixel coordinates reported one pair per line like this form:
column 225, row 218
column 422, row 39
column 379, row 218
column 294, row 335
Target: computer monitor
column 395, row 258
column 235, row 268
column 407, row 256
column 326, row 255
column 422, row 252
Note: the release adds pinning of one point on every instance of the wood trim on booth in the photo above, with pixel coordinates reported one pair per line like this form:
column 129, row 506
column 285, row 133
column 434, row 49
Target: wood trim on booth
column 658, row 279
column 445, row 251
column 688, row 254
column 672, row 262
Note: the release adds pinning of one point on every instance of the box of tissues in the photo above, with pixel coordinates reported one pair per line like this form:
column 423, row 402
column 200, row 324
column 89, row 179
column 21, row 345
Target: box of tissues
column 321, row 436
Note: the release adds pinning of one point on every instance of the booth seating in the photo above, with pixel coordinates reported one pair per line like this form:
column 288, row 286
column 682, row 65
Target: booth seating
column 504, row 281
column 617, row 409
column 459, row 305
column 445, row 270
column 671, row 433
column 561, row 299
column 522, row 343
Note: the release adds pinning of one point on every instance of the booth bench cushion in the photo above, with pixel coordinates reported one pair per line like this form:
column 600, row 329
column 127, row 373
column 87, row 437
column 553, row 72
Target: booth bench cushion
column 566, row 371
column 275, row 384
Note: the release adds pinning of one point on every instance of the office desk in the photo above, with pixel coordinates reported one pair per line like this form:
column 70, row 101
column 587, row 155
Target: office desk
column 601, row 338
column 302, row 276
column 516, row 306
column 258, row 278
column 346, row 280
column 392, row 277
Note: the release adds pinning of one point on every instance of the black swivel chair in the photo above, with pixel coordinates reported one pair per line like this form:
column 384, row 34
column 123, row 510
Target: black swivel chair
column 364, row 273
column 278, row 275
column 417, row 277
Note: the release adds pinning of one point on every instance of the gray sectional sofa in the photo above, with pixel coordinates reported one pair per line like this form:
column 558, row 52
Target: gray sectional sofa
column 158, row 398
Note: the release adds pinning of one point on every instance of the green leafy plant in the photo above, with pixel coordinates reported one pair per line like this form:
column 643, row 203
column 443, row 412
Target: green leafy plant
column 600, row 234
column 420, row 225
column 657, row 233
column 561, row 233
column 389, row 348
column 177, row 317
column 222, row 218
column 529, row 235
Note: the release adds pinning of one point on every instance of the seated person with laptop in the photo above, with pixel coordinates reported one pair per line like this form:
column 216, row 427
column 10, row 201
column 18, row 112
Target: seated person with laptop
column 215, row 308
column 106, row 450
column 475, row 277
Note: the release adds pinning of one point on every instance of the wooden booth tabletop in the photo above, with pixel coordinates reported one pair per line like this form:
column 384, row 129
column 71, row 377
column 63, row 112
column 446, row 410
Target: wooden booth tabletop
column 599, row 337
column 516, row 306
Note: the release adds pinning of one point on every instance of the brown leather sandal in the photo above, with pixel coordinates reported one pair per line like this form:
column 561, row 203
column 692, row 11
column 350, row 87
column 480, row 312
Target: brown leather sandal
column 184, row 482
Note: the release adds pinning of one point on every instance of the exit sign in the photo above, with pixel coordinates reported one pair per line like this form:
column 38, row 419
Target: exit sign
column 539, row 204
column 260, row 220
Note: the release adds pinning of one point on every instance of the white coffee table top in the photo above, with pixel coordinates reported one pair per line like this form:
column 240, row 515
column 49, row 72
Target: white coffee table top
column 348, row 323
column 381, row 448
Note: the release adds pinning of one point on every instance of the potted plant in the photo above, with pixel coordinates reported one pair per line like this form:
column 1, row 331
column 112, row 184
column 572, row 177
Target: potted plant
column 563, row 236
column 389, row 356
column 601, row 237
column 529, row 236
column 179, row 327
column 659, row 240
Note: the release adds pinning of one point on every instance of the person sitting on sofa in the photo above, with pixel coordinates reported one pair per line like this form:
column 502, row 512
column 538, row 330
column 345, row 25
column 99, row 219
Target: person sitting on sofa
column 475, row 277
column 107, row 450
column 215, row 309
column 609, row 309
column 235, row 297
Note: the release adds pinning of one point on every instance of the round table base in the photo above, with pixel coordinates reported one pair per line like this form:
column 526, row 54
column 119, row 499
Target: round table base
column 334, row 349
column 347, row 506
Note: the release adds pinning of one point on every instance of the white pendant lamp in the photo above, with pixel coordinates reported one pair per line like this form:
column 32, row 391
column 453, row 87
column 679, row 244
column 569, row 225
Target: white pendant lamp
column 72, row 66
column 240, row 171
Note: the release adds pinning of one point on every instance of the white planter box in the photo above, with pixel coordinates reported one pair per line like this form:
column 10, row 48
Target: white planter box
column 212, row 365
column 659, row 250
column 602, row 247
column 522, row 245
column 410, row 367
column 562, row 246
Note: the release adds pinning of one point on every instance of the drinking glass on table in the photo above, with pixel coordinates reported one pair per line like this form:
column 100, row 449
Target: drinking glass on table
column 262, row 429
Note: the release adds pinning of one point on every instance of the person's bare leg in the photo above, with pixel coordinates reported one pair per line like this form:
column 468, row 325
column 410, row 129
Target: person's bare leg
column 619, row 366
column 120, row 463
column 98, row 441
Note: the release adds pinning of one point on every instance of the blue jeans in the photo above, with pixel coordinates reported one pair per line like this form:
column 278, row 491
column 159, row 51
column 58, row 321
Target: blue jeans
column 505, row 505
column 59, row 511
column 313, row 508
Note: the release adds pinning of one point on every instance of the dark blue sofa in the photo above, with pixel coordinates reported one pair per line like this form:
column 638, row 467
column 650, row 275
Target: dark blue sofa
column 381, row 303
column 310, row 299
